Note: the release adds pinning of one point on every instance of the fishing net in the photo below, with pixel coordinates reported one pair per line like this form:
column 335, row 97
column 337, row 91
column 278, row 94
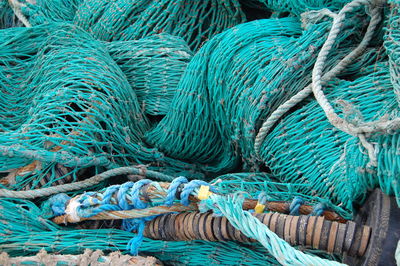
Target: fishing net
column 95, row 85
column 131, row 20
column 296, row 7
column 42, row 11
column 304, row 148
column 235, row 81
column 66, row 107
column 153, row 67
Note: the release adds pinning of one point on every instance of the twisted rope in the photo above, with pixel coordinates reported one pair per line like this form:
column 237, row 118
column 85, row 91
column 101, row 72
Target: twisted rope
column 16, row 7
column 363, row 129
column 250, row 226
column 43, row 192
column 301, row 95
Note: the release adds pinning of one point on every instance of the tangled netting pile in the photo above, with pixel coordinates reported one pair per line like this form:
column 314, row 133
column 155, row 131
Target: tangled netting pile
column 183, row 87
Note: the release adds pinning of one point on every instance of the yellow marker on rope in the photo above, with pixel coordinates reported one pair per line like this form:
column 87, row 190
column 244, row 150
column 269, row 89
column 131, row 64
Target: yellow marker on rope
column 204, row 192
column 259, row 208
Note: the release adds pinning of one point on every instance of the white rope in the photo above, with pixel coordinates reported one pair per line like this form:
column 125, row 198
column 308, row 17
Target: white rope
column 16, row 7
column 301, row 95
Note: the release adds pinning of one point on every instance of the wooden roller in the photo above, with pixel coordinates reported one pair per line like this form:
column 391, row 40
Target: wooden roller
column 309, row 231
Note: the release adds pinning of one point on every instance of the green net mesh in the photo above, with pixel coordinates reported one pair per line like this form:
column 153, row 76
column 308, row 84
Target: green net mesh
column 232, row 84
column 98, row 84
column 153, row 67
column 296, row 7
column 304, row 148
column 67, row 107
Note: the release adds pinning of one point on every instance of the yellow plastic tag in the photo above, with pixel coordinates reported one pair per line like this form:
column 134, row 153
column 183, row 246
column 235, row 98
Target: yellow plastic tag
column 204, row 192
column 259, row 208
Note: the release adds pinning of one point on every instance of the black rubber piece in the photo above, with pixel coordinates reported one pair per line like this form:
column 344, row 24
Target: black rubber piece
column 382, row 214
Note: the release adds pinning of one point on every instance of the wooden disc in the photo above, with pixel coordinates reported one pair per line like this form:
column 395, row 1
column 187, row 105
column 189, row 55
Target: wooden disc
column 197, row 226
column 293, row 230
column 302, row 230
column 217, row 228
column 210, row 233
column 267, row 218
column 224, row 229
column 155, row 228
column 332, row 237
column 280, row 225
column 286, row 232
column 310, row 230
column 162, row 227
column 237, row 234
column 231, row 231
column 259, row 216
column 179, row 225
column 323, row 242
column 189, row 225
column 203, row 226
column 366, row 233
column 172, row 231
column 273, row 221
column 340, row 238
column 147, row 229
column 350, row 233
column 317, row 231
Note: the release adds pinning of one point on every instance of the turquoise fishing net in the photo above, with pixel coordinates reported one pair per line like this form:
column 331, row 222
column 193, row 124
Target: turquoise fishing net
column 234, row 82
column 132, row 20
column 87, row 96
column 198, row 21
column 42, row 11
column 153, row 67
column 305, row 148
column 69, row 108
column 296, row 7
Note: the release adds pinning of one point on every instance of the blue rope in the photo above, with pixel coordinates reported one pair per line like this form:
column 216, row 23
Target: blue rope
column 319, row 209
column 55, row 205
column 190, row 187
column 262, row 197
column 173, row 187
column 295, row 205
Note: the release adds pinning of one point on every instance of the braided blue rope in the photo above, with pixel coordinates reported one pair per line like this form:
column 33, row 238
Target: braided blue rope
column 173, row 187
column 295, row 205
column 190, row 187
column 136, row 224
column 319, row 209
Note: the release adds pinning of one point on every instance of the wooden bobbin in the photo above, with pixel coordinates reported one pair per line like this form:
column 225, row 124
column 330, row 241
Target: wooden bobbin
column 217, row 229
column 286, row 232
column 310, row 230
